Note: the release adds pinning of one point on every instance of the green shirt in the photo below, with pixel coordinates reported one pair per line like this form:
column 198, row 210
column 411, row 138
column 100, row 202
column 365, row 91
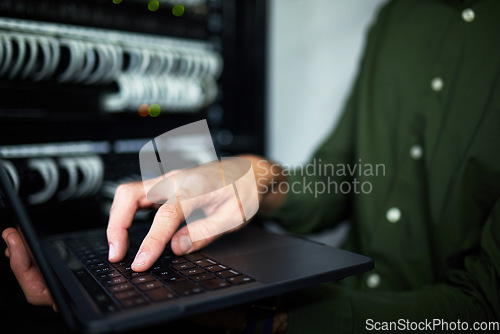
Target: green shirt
column 426, row 106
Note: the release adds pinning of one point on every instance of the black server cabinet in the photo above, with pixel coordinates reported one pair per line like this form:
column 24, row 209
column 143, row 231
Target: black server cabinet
column 52, row 120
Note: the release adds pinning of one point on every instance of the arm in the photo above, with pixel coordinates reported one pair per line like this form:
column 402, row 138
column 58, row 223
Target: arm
column 312, row 202
column 468, row 294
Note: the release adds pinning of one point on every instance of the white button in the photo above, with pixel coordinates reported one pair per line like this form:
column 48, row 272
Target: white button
column 416, row 152
column 468, row 15
column 393, row 215
column 437, row 84
column 373, row 280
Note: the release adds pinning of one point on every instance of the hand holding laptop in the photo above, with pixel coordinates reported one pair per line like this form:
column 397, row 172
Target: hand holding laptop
column 26, row 272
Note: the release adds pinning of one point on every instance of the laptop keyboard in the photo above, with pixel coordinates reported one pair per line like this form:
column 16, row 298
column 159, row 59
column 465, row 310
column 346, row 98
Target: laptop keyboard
column 169, row 278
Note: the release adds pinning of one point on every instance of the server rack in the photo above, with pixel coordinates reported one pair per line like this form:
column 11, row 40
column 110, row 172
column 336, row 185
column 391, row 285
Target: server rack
column 60, row 115
column 54, row 119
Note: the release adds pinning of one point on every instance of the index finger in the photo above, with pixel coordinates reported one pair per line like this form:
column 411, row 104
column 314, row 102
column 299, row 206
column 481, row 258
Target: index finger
column 167, row 219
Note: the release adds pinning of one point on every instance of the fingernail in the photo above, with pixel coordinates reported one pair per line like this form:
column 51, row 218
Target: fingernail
column 140, row 259
column 185, row 244
column 112, row 252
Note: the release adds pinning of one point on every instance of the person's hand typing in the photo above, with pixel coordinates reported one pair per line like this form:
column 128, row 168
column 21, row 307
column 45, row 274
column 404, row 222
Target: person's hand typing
column 225, row 193
column 132, row 197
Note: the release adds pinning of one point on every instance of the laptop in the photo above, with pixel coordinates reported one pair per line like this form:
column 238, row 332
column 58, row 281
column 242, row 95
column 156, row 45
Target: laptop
column 96, row 296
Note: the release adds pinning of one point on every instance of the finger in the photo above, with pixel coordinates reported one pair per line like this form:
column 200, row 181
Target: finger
column 127, row 200
column 27, row 274
column 209, row 227
column 8, row 231
column 5, row 233
column 182, row 244
column 167, row 219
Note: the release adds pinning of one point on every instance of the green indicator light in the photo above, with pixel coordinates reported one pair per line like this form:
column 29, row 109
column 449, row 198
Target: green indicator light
column 154, row 110
column 117, row 2
column 178, row 10
column 153, row 6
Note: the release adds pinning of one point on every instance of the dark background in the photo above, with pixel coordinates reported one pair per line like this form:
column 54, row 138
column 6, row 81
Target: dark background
column 50, row 112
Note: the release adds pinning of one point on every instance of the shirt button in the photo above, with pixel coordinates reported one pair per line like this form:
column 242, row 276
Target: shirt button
column 393, row 215
column 373, row 280
column 468, row 15
column 416, row 152
column 437, row 84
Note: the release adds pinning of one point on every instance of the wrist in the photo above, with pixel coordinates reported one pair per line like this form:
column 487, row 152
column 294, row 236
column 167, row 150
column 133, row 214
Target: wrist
column 269, row 176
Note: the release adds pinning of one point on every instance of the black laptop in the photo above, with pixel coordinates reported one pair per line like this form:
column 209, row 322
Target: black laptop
column 94, row 295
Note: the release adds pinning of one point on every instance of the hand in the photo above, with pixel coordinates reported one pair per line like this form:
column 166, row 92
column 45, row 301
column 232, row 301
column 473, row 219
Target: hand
column 224, row 192
column 128, row 199
column 25, row 270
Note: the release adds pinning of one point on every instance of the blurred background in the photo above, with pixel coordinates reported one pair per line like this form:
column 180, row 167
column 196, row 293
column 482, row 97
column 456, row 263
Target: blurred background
column 85, row 84
column 313, row 52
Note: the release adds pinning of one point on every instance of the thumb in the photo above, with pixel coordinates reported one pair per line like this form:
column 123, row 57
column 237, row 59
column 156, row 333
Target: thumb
column 200, row 233
column 183, row 242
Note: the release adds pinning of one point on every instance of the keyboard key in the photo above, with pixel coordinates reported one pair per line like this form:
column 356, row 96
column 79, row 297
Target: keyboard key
column 166, row 258
column 84, row 252
column 103, row 252
column 114, row 280
column 127, row 294
column 133, row 302
column 205, row 262
column 185, row 288
column 125, row 262
column 174, row 277
column 108, row 275
column 90, row 261
column 192, row 271
column 170, row 276
column 161, row 273
column 100, row 297
column 218, row 267
column 120, row 287
column 142, row 279
column 227, row 273
column 240, row 279
column 150, row 285
column 98, row 265
column 162, row 294
column 124, row 268
column 194, row 256
column 176, row 260
column 90, row 256
column 183, row 266
column 214, row 284
column 131, row 273
column 202, row 277
column 103, row 270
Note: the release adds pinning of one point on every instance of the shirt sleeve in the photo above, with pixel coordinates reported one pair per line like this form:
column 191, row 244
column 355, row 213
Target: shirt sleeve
column 470, row 294
column 317, row 197
column 314, row 200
